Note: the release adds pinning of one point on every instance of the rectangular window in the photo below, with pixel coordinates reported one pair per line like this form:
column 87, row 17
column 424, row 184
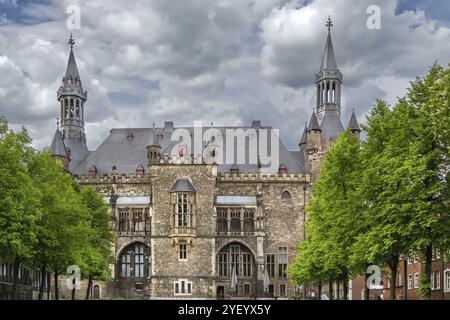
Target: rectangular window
column 182, row 287
column 270, row 265
column 183, row 251
column 249, row 222
column 235, row 223
column 126, row 265
column 235, row 263
column 282, row 261
column 183, row 217
column 138, row 220
column 123, row 220
column 139, row 261
column 282, row 290
column 410, row 281
column 246, row 265
column 416, row 280
column 399, row 279
column 222, row 220
column 223, row 264
column 438, row 280
column 447, row 280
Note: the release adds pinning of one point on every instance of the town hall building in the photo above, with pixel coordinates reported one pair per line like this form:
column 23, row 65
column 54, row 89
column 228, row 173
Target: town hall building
column 191, row 228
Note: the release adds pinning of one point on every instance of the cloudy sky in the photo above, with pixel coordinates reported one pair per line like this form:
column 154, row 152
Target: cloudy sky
column 227, row 61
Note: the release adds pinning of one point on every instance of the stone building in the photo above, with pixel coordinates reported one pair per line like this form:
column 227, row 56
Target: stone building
column 193, row 214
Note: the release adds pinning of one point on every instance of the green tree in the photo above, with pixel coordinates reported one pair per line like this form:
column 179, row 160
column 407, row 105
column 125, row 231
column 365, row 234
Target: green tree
column 98, row 256
column 64, row 226
column 332, row 213
column 19, row 199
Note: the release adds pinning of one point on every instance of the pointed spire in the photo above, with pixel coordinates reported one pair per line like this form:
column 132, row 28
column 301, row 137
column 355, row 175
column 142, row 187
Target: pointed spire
column 303, row 138
column 353, row 124
column 313, row 123
column 58, row 148
column 328, row 59
column 72, row 69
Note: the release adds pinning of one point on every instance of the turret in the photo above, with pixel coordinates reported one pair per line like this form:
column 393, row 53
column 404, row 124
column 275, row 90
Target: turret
column 58, row 149
column 153, row 148
column 354, row 125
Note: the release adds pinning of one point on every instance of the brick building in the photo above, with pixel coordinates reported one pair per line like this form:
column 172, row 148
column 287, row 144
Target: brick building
column 190, row 214
column 409, row 273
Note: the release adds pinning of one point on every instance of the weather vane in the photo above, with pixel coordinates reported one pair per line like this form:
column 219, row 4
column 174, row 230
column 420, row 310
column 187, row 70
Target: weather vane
column 329, row 24
column 71, row 41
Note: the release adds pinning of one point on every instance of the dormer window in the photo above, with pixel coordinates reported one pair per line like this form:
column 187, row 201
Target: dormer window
column 182, row 151
column 93, row 171
column 283, row 169
column 140, row 171
column 130, row 136
column 234, row 169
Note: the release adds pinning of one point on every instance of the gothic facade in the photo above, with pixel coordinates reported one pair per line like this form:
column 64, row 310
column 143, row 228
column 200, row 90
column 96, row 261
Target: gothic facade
column 191, row 228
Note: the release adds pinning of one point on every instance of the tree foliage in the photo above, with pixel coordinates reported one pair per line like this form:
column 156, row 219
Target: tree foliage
column 379, row 200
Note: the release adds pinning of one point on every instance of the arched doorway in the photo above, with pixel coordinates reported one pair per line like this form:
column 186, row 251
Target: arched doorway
column 236, row 271
column 134, row 262
column 96, row 291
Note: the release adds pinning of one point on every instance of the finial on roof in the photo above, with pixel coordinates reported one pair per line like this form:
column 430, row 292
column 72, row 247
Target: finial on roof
column 329, row 23
column 57, row 122
column 71, row 41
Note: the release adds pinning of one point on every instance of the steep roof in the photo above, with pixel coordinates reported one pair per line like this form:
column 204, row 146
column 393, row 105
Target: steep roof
column 353, row 124
column 126, row 154
column 72, row 69
column 328, row 59
column 331, row 125
column 183, row 185
column 57, row 147
column 303, row 138
column 313, row 123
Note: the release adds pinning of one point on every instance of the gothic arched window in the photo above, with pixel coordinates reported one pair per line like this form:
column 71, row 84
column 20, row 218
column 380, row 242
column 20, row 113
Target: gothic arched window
column 134, row 261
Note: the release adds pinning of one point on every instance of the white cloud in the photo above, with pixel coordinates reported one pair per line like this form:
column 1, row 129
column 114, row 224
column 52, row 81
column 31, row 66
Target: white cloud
column 223, row 61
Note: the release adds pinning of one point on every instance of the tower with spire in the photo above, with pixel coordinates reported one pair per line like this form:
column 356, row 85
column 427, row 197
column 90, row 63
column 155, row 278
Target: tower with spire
column 72, row 98
column 325, row 124
column 328, row 86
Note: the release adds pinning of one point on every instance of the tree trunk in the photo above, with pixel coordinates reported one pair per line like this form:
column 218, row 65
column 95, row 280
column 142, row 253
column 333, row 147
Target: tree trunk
column 319, row 286
column 42, row 284
column 367, row 289
column 405, row 278
column 56, row 286
column 345, row 285
column 426, row 280
column 49, row 285
column 338, row 294
column 89, row 287
column 15, row 279
column 393, row 266
column 330, row 289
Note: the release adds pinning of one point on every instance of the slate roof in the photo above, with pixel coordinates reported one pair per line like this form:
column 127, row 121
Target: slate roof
column 183, row 185
column 72, row 69
column 313, row 123
column 331, row 125
column 126, row 154
column 57, row 148
column 328, row 59
column 353, row 124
